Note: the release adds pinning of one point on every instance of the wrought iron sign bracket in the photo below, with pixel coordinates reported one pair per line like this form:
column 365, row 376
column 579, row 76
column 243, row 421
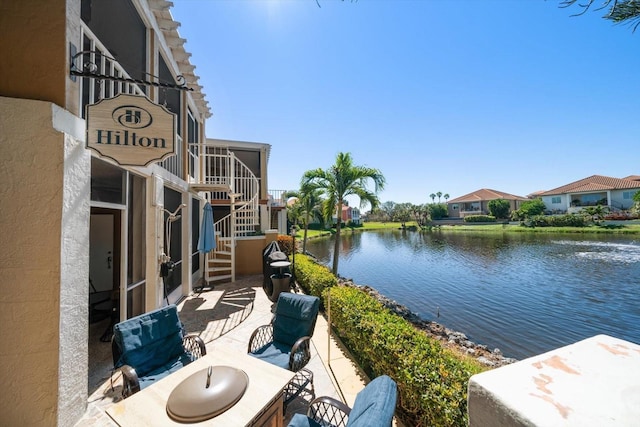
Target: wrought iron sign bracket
column 87, row 68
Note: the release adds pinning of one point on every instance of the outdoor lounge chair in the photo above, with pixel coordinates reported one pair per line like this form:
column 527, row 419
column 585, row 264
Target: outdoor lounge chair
column 148, row 347
column 374, row 407
column 286, row 341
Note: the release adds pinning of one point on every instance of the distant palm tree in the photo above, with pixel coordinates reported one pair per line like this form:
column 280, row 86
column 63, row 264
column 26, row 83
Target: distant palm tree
column 446, row 197
column 433, row 197
column 311, row 202
column 295, row 213
column 339, row 181
column 439, row 194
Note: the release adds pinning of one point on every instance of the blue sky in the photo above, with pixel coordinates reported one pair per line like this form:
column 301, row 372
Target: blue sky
column 450, row 96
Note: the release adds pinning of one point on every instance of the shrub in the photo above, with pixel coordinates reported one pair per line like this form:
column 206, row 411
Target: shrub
column 569, row 220
column 479, row 218
column 499, row 208
column 528, row 209
column 313, row 277
column 285, row 242
column 432, row 381
column 438, row 210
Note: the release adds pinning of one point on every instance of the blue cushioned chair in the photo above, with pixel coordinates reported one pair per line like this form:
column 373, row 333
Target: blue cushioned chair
column 151, row 346
column 285, row 342
column 374, row 407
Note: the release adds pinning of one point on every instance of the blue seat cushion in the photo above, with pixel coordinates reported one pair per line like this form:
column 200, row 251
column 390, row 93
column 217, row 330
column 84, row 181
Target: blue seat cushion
column 150, row 340
column 164, row 370
column 375, row 404
column 295, row 317
column 300, row 420
column 275, row 353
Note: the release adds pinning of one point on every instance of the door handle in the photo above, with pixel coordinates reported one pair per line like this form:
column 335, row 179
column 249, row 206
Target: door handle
column 109, row 259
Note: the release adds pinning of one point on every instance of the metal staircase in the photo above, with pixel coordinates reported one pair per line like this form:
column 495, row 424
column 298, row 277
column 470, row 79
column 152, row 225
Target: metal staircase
column 227, row 181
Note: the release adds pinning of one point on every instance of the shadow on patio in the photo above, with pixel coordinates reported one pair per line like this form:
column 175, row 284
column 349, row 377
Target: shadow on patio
column 226, row 315
column 214, row 313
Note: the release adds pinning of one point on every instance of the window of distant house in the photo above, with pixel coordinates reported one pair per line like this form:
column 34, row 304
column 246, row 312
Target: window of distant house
column 628, row 195
column 556, row 200
column 454, row 207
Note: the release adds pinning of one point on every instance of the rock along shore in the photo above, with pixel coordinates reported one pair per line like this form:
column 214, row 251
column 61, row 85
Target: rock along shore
column 454, row 340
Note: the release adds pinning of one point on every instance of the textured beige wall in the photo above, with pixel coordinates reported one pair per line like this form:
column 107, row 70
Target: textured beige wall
column 39, row 262
column 33, row 42
column 249, row 254
column 74, row 269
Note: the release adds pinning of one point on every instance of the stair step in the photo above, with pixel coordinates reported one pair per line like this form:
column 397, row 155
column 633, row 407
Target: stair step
column 221, row 253
column 219, row 278
column 217, row 269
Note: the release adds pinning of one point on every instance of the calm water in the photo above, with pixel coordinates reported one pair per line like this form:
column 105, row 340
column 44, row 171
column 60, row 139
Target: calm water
column 522, row 293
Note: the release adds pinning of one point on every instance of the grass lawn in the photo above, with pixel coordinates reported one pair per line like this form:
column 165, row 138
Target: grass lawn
column 624, row 228
column 512, row 228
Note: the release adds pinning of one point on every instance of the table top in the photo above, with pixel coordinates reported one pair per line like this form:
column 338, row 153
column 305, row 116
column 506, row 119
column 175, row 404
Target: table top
column 280, row 264
column 148, row 406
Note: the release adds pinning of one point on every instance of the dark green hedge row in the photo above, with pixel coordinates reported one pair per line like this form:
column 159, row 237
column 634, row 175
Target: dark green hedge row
column 432, row 381
column 313, row 277
column 479, row 218
column 569, row 220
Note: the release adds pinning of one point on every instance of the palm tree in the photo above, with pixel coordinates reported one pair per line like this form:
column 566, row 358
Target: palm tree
column 295, row 212
column 446, row 197
column 311, row 202
column 339, row 181
column 439, row 194
column 433, row 197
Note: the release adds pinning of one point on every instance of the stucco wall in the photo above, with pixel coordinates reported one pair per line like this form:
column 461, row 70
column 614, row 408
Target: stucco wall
column 249, row 253
column 593, row 382
column 33, row 41
column 43, row 263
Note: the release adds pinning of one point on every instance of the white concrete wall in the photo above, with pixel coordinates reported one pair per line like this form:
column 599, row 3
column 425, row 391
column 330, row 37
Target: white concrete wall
column 74, row 268
column 44, row 264
column 563, row 205
column 594, row 382
column 617, row 198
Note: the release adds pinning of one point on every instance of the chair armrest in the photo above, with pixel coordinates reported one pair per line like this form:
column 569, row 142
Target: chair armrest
column 262, row 336
column 300, row 354
column 194, row 345
column 130, row 383
column 326, row 409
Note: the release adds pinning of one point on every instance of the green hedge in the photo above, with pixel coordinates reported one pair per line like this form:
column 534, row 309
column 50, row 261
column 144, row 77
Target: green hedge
column 313, row 277
column 569, row 220
column 432, row 381
column 479, row 218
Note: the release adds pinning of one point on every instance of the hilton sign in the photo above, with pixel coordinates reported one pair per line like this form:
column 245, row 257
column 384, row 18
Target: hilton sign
column 131, row 130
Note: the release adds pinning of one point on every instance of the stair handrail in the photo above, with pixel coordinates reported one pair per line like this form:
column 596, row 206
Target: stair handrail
column 243, row 184
column 246, row 185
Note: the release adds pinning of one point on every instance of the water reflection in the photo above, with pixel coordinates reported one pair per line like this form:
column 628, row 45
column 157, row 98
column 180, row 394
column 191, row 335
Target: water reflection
column 523, row 293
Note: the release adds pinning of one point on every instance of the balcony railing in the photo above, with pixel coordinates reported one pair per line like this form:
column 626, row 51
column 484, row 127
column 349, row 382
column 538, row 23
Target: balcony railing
column 276, row 198
column 97, row 59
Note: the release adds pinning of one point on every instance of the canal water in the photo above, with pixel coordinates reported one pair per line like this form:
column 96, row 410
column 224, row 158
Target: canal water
column 524, row 293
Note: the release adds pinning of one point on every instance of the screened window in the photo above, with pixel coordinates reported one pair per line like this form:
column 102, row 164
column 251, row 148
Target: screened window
column 169, row 97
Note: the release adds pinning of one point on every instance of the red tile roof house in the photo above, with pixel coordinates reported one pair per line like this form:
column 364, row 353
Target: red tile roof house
column 477, row 203
column 349, row 214
column 615, row 193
